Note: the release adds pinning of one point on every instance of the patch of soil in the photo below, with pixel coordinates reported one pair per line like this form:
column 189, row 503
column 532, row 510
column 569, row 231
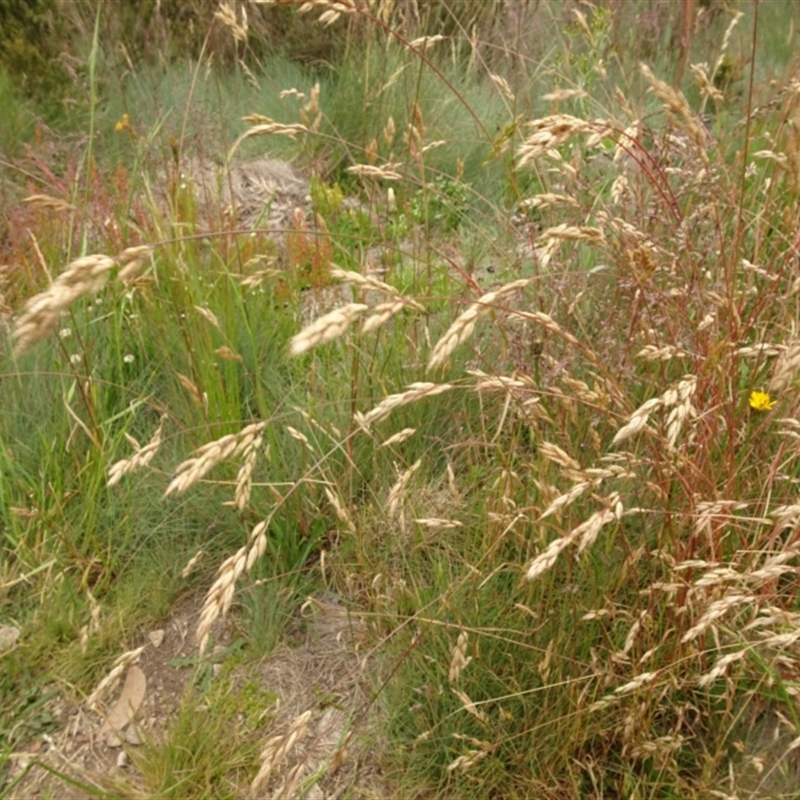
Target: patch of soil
column 321, row 679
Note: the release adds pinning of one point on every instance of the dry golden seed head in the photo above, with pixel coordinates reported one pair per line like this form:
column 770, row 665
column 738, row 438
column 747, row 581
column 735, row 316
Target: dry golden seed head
column 267, row 129
column 48, row 203
column 41, row 314
column 141, row 458
column 111, row 680
column 227, row 16
column 640, row 262
column 574, row 233
column 191, row 387
column 339, row 509
column 463, row 326
column 502, row 84
column 363, row 281
column 458, row 658
column 424, row 42
column 557, row 95
column 382, row 313
column 209, row 455
column 226, row 354
column 192, row 563
column 638, row 420
column 220, row 595
column 678, row 110
column 398, row 492
column 562, row 501
column 326, row 328
column 244, row 480
column 399, row 437
column 312, row 106
column 208, row 315
column 549, row 199
column 277, row 748
column 708, row 90
column 416, row 391
column 792, row 153
column 388, row 132
column 554, row 453
column 716, row 610
column 463, row 763
column 388, row 172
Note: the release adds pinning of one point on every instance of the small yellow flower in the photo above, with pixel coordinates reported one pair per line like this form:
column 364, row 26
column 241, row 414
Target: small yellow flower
column 124, row 124
column 761, row 401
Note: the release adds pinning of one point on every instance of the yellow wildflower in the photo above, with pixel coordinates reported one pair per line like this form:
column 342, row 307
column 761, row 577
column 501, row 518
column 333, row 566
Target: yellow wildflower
column 124, row 124
column 761, row 401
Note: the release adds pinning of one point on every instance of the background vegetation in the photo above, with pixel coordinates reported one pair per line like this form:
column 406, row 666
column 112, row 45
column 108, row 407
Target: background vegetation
column 558, row 482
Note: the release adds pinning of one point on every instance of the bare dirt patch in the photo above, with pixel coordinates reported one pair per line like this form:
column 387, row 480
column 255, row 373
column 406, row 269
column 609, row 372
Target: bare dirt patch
column 321, row 679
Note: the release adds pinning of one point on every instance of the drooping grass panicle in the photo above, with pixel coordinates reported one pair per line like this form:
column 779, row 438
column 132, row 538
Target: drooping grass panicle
column 209, row 455
column 679, row 111
column 220, row 595
column 785, row 369
column 388, row 172
column 415, row 391
column 83, row 276
column 550, row 132
column 244, row 480
column 141, row 457
column 462, row 327
column 328, row 327
column 266, row 127
column 112, row 679
column 584, row 534
column 398, row 492
column 278, row 748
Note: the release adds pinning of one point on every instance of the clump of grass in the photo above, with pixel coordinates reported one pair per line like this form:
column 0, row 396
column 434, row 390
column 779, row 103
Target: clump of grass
column 560, row 481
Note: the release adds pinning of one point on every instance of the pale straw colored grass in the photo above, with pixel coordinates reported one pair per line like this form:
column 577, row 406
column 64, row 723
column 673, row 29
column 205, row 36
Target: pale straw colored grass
column 263, row 126
column 715, row 611
column 785, row 369
column 328, row 327
column 47, row 203
column 397, row 493
column 192, row 563
column 584, row 534
column 383, row 312
column 112, row 679
column 678, row 110
column 141, row 457
column 552, row 131
column 244, row 480
column 87, row 275
column 387, row 172
column 415, row 392
column 638, row 420
column 278, row 748
column 209, row 455
column 458, row 658
column 368, row 282
column 465, row 762
column 399, row 437
column 220, row 595
column 339, row 509
column 464, row 325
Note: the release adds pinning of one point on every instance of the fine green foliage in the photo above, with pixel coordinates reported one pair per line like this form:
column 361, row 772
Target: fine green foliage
column 506, row 363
